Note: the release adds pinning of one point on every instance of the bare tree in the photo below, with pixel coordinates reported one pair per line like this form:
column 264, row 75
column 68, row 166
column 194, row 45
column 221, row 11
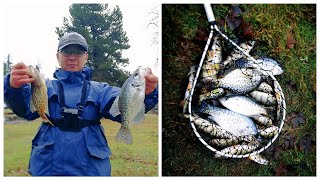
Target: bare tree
column 154, row 24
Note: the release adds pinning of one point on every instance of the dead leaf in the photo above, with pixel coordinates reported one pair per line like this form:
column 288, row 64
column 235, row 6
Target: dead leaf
column 305, row 144
column 233, row 22
column 296, row 119
column 235, row 10
column 201, row 34
column 290, row 41
column 233, row 19
column 293, row 86
column 288, row 142
column 281, row 170
column 273, row 151
column 245, row 31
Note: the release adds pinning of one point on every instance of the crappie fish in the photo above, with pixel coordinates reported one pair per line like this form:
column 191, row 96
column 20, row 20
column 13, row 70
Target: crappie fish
column 212, row 64
column 264, row 98
column 39, row 99
column 184, row 102
column 232, row 140
column 237, row 54
column 239, row 149
column 235, row 123
column 242, row 105
column 264, row 63
column 258, row 158
column 130, row 103
column 215, row 53
column 240, row 81
column 214, row 94
column 263, row 120
column 265, row 87
column 269, row 132
column 210, row 128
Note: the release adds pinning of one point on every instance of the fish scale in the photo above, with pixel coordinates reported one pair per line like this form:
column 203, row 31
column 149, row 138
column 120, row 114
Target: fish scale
column 240, row 81
column 236, row 123
column 39, row 98
column 242, row 105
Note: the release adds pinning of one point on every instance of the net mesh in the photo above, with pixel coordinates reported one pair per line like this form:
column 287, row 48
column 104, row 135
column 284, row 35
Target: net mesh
column 212, row 79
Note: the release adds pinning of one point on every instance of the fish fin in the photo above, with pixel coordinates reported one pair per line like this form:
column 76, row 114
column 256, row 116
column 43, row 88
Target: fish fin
column 124, row 135
column 185, row 107
column 182, row 103
column 258, row 158
column 139, row 117
column 48, row 121
column 45, row 118
column 47, row 110
column 265, row 113
column 217, row 156
column 114, row 110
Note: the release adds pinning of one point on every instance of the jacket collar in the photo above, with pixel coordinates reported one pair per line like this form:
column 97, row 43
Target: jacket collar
column 73, row 77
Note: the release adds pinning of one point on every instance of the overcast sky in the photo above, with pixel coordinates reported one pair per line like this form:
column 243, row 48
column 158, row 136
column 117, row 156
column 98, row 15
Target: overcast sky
column 29, row 33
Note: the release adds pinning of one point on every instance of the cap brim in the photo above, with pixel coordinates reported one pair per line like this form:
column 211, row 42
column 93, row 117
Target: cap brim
column 84, row 48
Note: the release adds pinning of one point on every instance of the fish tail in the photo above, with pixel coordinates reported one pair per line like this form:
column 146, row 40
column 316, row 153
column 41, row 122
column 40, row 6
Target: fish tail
column 258, row 158
column 45, row 119
column 124, row 135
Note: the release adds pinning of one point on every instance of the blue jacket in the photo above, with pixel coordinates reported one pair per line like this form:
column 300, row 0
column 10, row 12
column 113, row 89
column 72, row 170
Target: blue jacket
column 66, row 153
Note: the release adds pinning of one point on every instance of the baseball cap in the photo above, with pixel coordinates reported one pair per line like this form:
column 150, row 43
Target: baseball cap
column 72, row 38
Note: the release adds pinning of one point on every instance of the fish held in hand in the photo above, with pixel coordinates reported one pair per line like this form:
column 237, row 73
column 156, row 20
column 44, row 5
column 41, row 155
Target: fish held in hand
column 130, row 103
column 39, row 99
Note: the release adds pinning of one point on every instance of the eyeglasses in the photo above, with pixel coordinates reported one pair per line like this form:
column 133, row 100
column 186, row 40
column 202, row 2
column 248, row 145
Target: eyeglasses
column 69, row 53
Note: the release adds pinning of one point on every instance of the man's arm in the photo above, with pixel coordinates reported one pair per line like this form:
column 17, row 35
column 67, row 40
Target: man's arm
column 17, row 92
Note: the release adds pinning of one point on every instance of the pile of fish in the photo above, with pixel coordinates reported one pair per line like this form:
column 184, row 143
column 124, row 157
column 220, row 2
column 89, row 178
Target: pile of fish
column 236, row 105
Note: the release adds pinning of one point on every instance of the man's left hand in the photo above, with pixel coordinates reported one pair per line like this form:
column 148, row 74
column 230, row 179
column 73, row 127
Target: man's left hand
column 151, row 82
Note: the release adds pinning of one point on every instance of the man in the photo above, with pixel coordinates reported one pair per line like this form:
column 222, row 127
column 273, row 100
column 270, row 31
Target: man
column 76, row 144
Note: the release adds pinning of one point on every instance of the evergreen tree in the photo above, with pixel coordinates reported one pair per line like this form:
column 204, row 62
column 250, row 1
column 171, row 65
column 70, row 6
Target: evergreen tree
column 38, row 66
column 7, row 65
column 103, row 30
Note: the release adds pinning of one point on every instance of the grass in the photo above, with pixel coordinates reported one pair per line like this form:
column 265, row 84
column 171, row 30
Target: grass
column 183, row 42
column 138, row 159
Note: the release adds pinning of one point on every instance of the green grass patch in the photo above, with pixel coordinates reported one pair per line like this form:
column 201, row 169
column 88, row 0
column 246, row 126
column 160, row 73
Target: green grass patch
column 138, row 159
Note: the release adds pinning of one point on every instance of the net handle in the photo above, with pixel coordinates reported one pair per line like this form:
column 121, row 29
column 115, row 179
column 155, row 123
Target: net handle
column 209, row 13
column 213, row 24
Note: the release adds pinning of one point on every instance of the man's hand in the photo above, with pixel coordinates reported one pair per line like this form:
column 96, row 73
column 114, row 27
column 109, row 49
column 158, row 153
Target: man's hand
column 19, row 75
column 151, row 82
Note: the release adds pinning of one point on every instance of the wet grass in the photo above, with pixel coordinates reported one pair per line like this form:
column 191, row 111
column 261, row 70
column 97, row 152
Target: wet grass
column 185, row 30
column 138, row 159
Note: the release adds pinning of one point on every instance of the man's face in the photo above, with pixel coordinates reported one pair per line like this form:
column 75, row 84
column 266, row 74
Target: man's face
column 72, row 58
